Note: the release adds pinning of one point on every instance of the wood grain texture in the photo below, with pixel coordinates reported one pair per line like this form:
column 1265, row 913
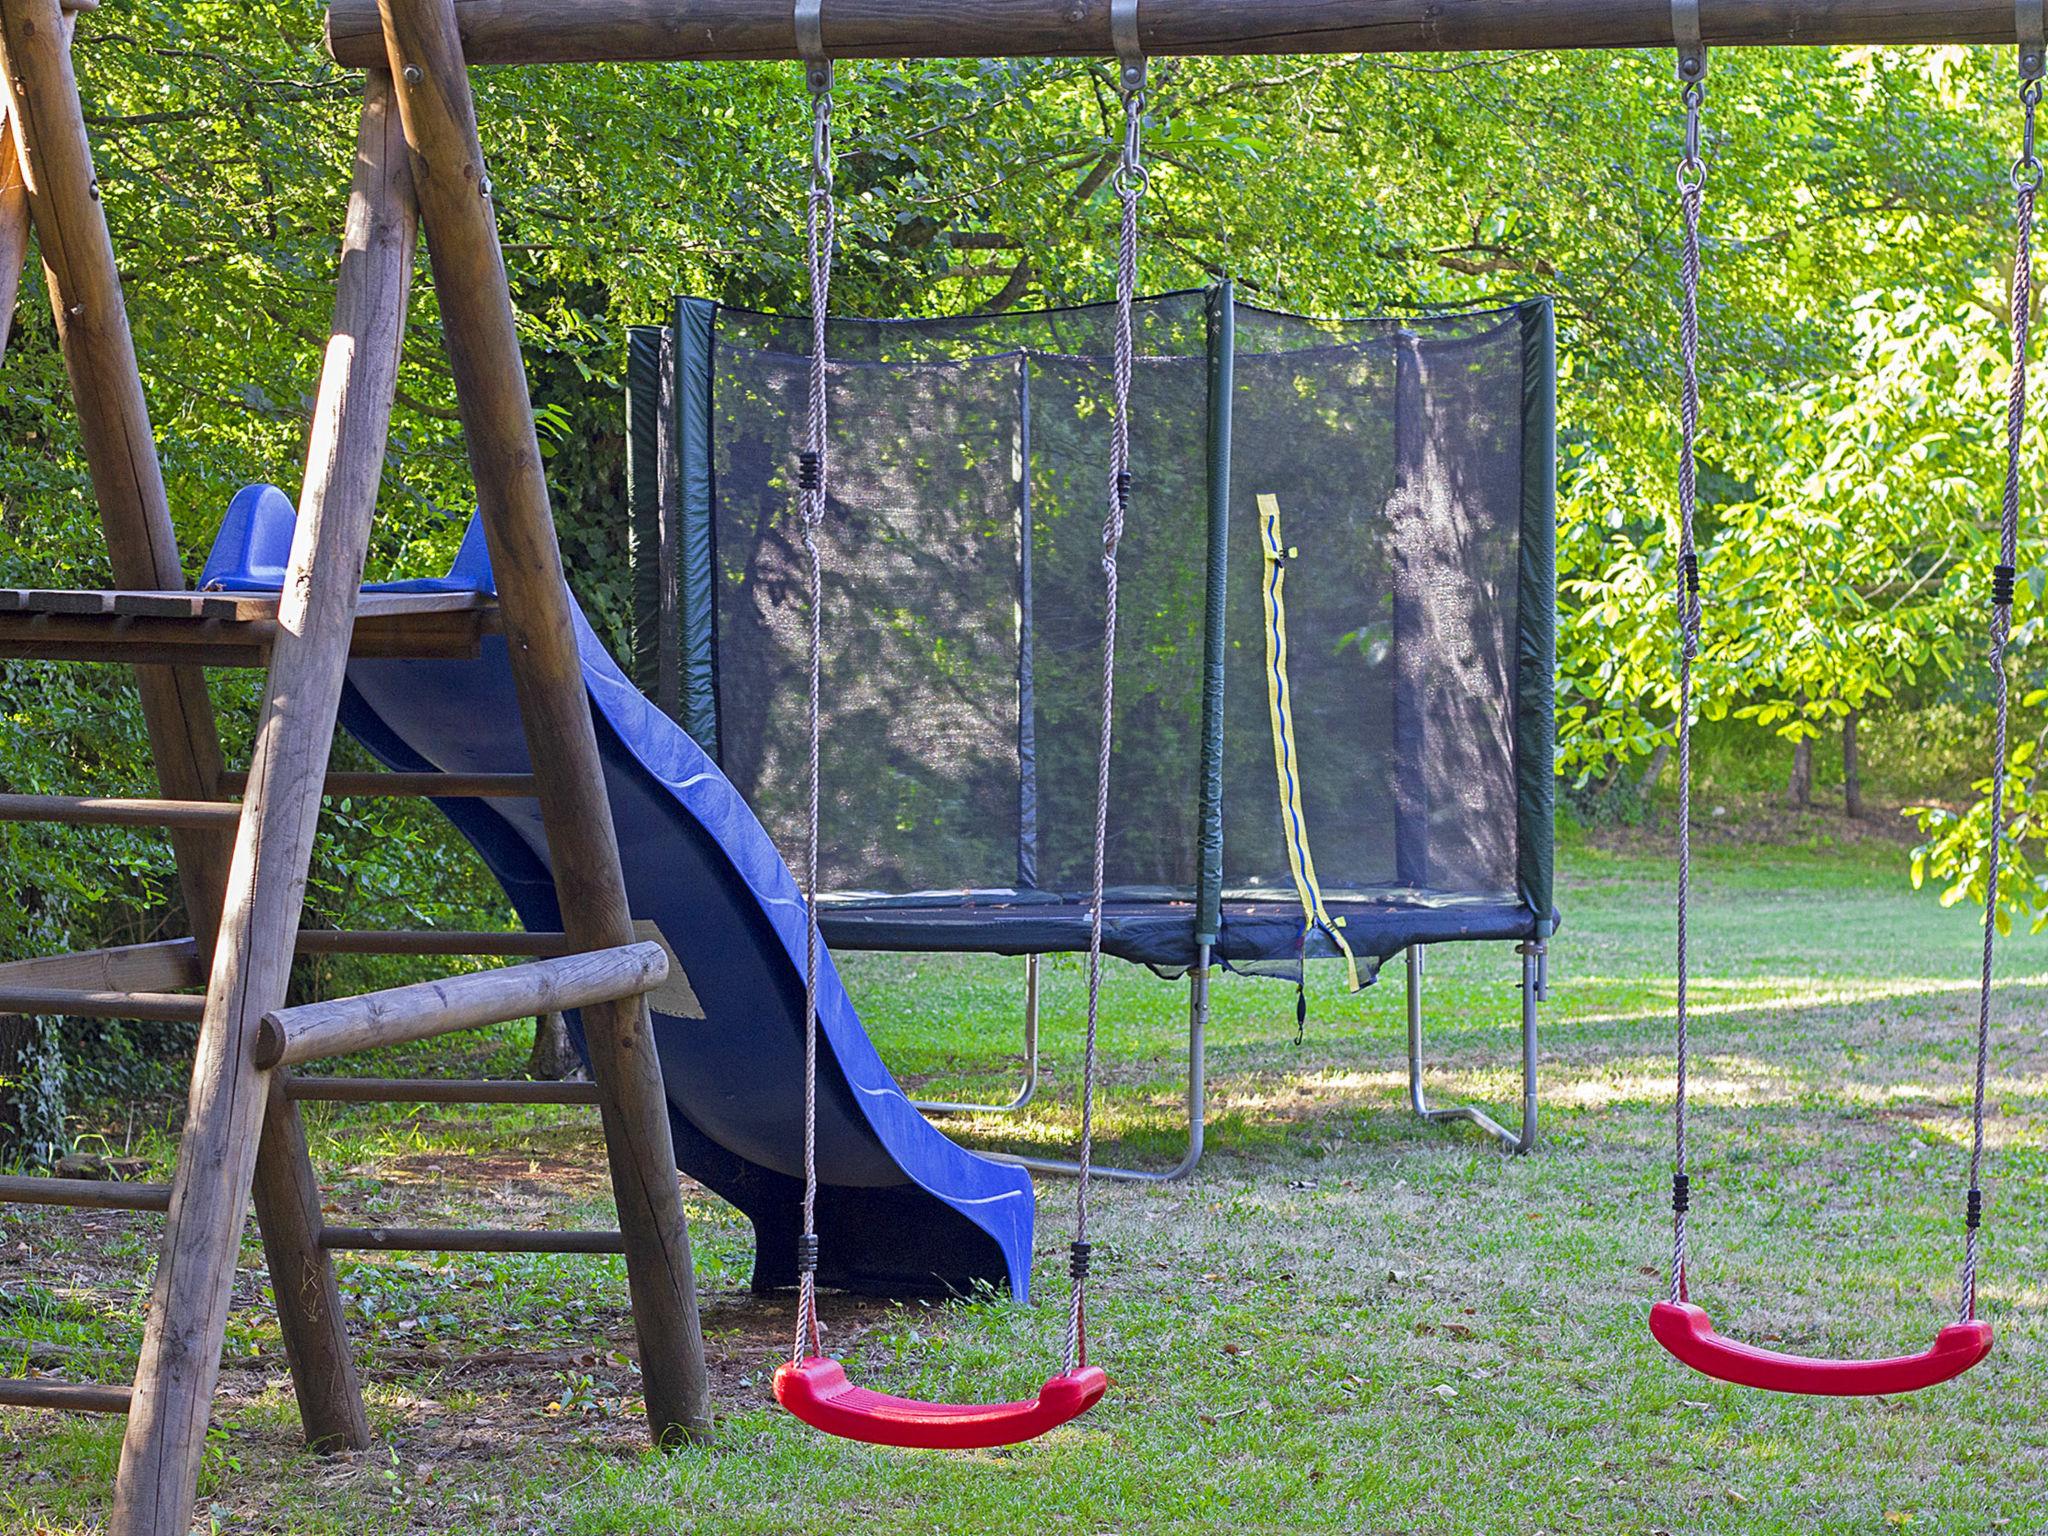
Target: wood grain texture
column 87, row 1003
column 235, row 1106
column 430, row 941
column 55, row 162
column 67, row 1396
column 85, row 1194
column 103, row 811
column 445, row 786
column 400, row 1015
column 589, row 31
column 468, row 1240
column 451, row 1090
column 166, row 966
column 425, row 55
column 13, row 226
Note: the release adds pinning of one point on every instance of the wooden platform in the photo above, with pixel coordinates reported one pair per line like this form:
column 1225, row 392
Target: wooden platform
column 228, row 629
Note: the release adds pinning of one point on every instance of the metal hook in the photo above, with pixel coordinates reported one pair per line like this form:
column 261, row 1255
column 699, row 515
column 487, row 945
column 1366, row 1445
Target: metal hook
column 810, row 45
column 1692, row 50
column 1123, row 37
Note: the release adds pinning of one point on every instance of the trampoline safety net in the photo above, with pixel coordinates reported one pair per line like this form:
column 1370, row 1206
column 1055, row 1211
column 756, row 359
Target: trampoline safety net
column 1356, row 718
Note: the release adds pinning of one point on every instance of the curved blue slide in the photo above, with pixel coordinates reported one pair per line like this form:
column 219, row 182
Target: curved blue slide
column 902, row 1210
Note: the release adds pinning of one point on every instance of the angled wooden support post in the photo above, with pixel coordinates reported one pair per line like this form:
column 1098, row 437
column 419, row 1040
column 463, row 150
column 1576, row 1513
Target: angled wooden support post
column 54, row 159
column 218, row 1157
column 497, row 417
column 14, row 202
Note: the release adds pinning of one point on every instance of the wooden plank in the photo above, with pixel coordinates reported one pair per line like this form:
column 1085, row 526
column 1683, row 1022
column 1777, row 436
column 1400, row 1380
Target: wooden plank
column 67, row 1396
column 152, row 641
column 99, row 356
column 431, row 941
column 165, row 966
column 82, row 1003
column 235, row 1106
column 451, row 1090
column 594, row 31
column 443, row 786
column 481, row 333
column 13, row 226
column 85, row 1194
column 467, row 1240
column 399, row 1015
column 107, row 811
column 197, row 605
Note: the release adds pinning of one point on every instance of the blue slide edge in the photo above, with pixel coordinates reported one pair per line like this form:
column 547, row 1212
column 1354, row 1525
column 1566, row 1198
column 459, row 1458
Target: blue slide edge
column 902, row 1208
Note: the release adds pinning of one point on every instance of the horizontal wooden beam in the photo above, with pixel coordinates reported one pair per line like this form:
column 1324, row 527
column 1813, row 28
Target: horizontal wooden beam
column 467, row 1240
column 169, row 965
column 103, row 811
column 86, row 1194
column 77, row 1003
column 70, row 1396
column 436, row 786
column 291, row 1036
column 431, row 941
column 450, row 1090
column 142, row 639
column 591, row 31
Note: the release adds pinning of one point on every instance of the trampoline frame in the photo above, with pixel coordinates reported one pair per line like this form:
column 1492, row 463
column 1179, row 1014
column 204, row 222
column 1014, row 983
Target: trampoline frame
column 670, row 492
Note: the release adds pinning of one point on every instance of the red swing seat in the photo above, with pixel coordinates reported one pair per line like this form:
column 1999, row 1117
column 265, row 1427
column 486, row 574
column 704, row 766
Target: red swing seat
column 1687, row 1332
column 816, row 1390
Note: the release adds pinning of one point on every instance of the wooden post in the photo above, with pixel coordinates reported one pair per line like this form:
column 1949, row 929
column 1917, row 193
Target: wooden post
column 591, row 31
column 55, row 163
column 218, row 1156
column 13, row 225
column 504, row 453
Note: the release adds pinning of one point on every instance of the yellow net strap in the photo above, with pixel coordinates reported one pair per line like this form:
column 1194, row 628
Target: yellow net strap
column 1286, row 766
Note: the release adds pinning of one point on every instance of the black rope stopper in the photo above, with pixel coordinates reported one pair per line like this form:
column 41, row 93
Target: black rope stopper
column 807, row 1255
column 810, row 473
column 1692, row 576
column 1077, row 1259
column 1973, row 1216
column 2004, row 581
column 1123, row 491
column 1681, row 1193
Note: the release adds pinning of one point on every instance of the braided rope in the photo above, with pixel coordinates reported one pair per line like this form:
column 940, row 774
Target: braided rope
column 1131, row 182
column 811, row 494
column 1692, row 181
column 2027, row 176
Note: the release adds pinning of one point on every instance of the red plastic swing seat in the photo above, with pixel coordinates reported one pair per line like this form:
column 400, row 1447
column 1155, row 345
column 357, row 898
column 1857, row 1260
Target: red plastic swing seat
column 816, row 1390
column 1687, row 1332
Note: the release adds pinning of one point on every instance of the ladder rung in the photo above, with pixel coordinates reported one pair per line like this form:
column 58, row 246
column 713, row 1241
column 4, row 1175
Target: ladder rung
column 430, row 941
column 440, row 786
column 85, row 1194
column 398, row 1090
column 466, row 1240
column 167, row 965
column 429, row 626
column 71, row 1396
column 110, row 811
column 62, row 1002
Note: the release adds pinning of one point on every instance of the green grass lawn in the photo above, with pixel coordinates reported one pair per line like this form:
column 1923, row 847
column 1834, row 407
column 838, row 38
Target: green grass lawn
column 1347, row 1321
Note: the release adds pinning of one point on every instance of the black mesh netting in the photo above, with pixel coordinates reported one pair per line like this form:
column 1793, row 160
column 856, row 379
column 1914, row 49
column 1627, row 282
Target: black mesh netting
column 964, row 599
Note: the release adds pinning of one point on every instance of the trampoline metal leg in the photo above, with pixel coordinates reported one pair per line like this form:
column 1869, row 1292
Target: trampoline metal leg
column 1535, row 987
column 1026, row 1093
column 1197, row 1099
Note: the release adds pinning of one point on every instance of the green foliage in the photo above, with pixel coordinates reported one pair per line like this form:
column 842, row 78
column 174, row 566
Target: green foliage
column 1858, row 236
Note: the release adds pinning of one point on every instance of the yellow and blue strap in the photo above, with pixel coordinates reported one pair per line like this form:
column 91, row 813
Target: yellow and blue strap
column 1286, row 764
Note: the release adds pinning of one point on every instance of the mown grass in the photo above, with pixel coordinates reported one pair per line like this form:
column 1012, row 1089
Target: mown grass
column 1348, row 1322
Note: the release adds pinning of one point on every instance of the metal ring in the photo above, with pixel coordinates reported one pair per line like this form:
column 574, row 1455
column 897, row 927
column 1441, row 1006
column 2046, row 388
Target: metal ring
column 1132, row 180
column 2028, row 174
column 1692, row 176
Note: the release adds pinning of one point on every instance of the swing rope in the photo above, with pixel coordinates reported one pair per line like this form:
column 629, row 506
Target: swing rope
column 1681, row 1327
column 1130, row 182
column 2027, row 175
column 822, row 218
column 811, row 1385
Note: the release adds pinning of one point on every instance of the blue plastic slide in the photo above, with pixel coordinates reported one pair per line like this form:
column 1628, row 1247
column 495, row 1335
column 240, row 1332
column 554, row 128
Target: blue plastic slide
column 902, row 1210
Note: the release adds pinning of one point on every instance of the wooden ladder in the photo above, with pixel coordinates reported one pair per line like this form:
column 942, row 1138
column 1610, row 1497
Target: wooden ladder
column 243, row 864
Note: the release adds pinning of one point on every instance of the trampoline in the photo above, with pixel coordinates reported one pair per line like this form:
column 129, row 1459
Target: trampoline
column 1334, row 717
